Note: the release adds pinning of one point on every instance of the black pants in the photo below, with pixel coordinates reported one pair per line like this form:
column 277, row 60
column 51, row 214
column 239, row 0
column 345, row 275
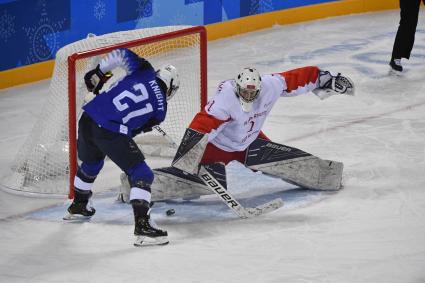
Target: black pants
column 94, row 143
column 403, row 43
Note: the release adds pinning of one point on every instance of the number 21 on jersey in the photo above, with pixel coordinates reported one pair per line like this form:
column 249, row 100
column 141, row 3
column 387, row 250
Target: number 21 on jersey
column 140, row 95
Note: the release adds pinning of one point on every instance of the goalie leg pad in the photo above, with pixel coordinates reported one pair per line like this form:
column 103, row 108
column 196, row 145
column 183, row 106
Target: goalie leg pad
column 169, row 183
column 312, row 173
column 294, row 166
column 124, row 193
column 172, row 183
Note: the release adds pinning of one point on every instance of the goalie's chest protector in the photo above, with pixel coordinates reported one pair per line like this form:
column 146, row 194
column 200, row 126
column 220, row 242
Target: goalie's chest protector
column 241, row 128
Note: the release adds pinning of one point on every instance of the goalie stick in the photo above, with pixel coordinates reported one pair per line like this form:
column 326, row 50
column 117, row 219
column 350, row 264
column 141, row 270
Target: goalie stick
column 210, row 176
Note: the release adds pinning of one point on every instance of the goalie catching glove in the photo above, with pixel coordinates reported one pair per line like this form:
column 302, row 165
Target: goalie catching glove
column 95, row 79
column 331, row 85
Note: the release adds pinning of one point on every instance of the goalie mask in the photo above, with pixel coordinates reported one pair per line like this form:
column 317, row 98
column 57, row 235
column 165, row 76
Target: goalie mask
column 170, row 76
column 248, row 85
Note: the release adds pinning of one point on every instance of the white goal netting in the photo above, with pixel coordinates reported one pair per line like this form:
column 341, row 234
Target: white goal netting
column 42, row 164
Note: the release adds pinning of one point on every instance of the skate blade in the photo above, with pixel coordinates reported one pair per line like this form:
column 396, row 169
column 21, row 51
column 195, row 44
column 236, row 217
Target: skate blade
column 395, row 73
column 76, row 218
column 142, row 241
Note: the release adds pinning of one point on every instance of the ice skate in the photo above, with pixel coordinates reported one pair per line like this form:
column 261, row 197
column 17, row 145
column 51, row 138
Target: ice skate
column 146, row 231
column 80, row 208
column 396, row 67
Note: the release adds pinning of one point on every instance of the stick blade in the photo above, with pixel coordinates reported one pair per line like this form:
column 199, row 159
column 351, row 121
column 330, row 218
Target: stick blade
column 265, row 208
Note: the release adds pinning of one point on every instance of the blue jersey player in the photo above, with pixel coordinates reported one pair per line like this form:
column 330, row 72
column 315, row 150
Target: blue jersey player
column 134, row 104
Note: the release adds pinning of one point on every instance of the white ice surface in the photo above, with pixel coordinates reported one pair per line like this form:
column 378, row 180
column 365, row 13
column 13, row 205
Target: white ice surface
column 371, row 231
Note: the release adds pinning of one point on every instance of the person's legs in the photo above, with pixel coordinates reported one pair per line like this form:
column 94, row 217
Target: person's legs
column 405, row 37
column 83, row 182
column 124, row 152
column 91, row 164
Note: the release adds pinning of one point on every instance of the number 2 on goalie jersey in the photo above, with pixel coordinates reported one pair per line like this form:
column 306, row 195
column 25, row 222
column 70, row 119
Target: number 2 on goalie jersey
column 140, row 95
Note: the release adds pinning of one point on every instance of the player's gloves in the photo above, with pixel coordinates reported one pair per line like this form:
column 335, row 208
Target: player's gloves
column 95, row 79
column 147, row 127
column 330, row 85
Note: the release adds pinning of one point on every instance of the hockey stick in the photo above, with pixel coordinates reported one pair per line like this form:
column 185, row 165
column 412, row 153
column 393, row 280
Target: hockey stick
column 215, row 186
column 166, row 136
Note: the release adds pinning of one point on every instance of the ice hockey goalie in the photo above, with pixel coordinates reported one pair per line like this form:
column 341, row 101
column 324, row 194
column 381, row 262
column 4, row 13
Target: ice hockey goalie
column 229, row 128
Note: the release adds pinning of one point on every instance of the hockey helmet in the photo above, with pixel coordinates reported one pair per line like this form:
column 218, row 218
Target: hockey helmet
column 170, row 76
column 248, row 85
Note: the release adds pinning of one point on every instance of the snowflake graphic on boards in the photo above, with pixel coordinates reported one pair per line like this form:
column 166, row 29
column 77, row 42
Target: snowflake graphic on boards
column 258, row 7
column 43, row 37
column 144, row 8
column 99, row 10
column 7, row 26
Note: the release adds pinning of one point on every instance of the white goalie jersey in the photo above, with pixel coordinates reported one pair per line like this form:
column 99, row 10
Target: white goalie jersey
column 232, row 129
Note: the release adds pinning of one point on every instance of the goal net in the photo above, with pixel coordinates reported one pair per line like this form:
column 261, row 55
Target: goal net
column 47, row 161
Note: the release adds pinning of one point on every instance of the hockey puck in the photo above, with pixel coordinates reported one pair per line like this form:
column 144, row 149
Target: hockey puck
column 170, row 212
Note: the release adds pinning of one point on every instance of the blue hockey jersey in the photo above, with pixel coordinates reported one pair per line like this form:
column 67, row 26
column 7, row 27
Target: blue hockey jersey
column 134, row 102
